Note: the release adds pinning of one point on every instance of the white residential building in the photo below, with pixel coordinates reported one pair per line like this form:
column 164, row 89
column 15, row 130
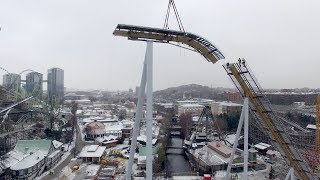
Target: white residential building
column 30, row 158
column 225, row 107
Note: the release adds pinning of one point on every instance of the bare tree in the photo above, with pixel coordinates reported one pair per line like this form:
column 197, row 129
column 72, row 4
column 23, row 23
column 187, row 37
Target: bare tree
column 186, row 123
column 74, row 108
column 122, row 114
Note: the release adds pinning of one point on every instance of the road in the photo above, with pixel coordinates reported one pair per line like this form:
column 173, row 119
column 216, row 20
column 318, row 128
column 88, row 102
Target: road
column 78, row 146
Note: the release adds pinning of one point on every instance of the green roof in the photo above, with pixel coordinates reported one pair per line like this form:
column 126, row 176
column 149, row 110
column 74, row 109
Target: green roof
column 27, row 146
column 143, row 150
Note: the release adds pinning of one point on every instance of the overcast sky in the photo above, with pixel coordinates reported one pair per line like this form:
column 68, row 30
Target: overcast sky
column 279, row 39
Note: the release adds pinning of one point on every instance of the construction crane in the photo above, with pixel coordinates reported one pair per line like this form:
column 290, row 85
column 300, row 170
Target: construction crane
column 248, row 86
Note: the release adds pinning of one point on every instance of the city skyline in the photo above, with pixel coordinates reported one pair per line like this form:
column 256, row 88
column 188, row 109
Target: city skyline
column 279, row 46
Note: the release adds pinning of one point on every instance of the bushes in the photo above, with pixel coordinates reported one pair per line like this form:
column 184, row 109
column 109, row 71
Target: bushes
column 53, row 134
column 231, row 119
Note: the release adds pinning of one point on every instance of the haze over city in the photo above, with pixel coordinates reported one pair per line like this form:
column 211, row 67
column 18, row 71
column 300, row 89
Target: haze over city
column 170, row 89
column 279, row 39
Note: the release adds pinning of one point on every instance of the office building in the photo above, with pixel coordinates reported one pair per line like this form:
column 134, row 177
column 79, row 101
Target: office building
column 34, row 84
column 55, row 85
column 11, row 81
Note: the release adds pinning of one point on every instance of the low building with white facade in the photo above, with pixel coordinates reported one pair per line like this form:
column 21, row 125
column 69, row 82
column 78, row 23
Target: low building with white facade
column 193, row 109
column 30, row 158
column 225, row 107
column 92, row 153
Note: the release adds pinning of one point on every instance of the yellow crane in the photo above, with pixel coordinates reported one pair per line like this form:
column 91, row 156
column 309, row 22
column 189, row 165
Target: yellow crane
column 248, row 86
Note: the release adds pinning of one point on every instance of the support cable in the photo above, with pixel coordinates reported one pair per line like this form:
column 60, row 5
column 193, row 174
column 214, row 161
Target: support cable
column 166, row 21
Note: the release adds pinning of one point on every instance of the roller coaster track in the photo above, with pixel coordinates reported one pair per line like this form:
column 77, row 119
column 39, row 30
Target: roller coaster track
column 248, row 86
column 30, row 127
column 293, row 124
column 199, row 44
column 15, row 104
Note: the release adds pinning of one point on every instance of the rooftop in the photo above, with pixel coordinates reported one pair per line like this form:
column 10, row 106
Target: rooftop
column 29, row 160
column 27, row 146
column 262, row 146
column 220, row 148
column 92, row 151
column 143, row 138
column 106, row 138
column 227, row 103
column 191, row 105
column 311, row 126
column 209, row 156
column 56, row 144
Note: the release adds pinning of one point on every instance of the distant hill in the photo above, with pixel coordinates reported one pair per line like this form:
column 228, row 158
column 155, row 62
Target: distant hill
column 188, row 92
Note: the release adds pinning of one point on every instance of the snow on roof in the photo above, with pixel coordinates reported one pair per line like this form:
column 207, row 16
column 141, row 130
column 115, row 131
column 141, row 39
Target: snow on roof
column 231, row 138
column 95, row 128
column 311, row 126
column 195, row 118
column 92, row 148
column 11, row 158
column 86, row 120
column 79, row 111
column 27, row 153
column 79, row 101
column 262, row 146
column 220, row 148
column 265, row 144
column 226, row 103
column 271, row 152
column 127, row 122
column 56, row 144
column 155, row 130
column 113, row 127
column 191, row 105
column 142, row 159
column 106, row 138
column 144, row 139
column 30, row 160
column 108, row 120
column 252, row 150
column 85, row 152
column 210, row 157
column 109, row 142
column 54, row 153
column 258, row 146
column 96, row 118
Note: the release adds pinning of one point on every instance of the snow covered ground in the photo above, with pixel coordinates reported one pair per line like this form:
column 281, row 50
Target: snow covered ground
column 254, row 175
column 66, row 174
column 86, row 171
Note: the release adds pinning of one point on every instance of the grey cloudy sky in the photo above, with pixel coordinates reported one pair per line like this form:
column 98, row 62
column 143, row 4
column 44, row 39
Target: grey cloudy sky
column 279, row 39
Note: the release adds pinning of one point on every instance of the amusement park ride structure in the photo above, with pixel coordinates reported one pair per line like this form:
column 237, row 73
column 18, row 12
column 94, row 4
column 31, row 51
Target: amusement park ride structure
column 32, row 101
column 244, row 80
column 242, row 77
